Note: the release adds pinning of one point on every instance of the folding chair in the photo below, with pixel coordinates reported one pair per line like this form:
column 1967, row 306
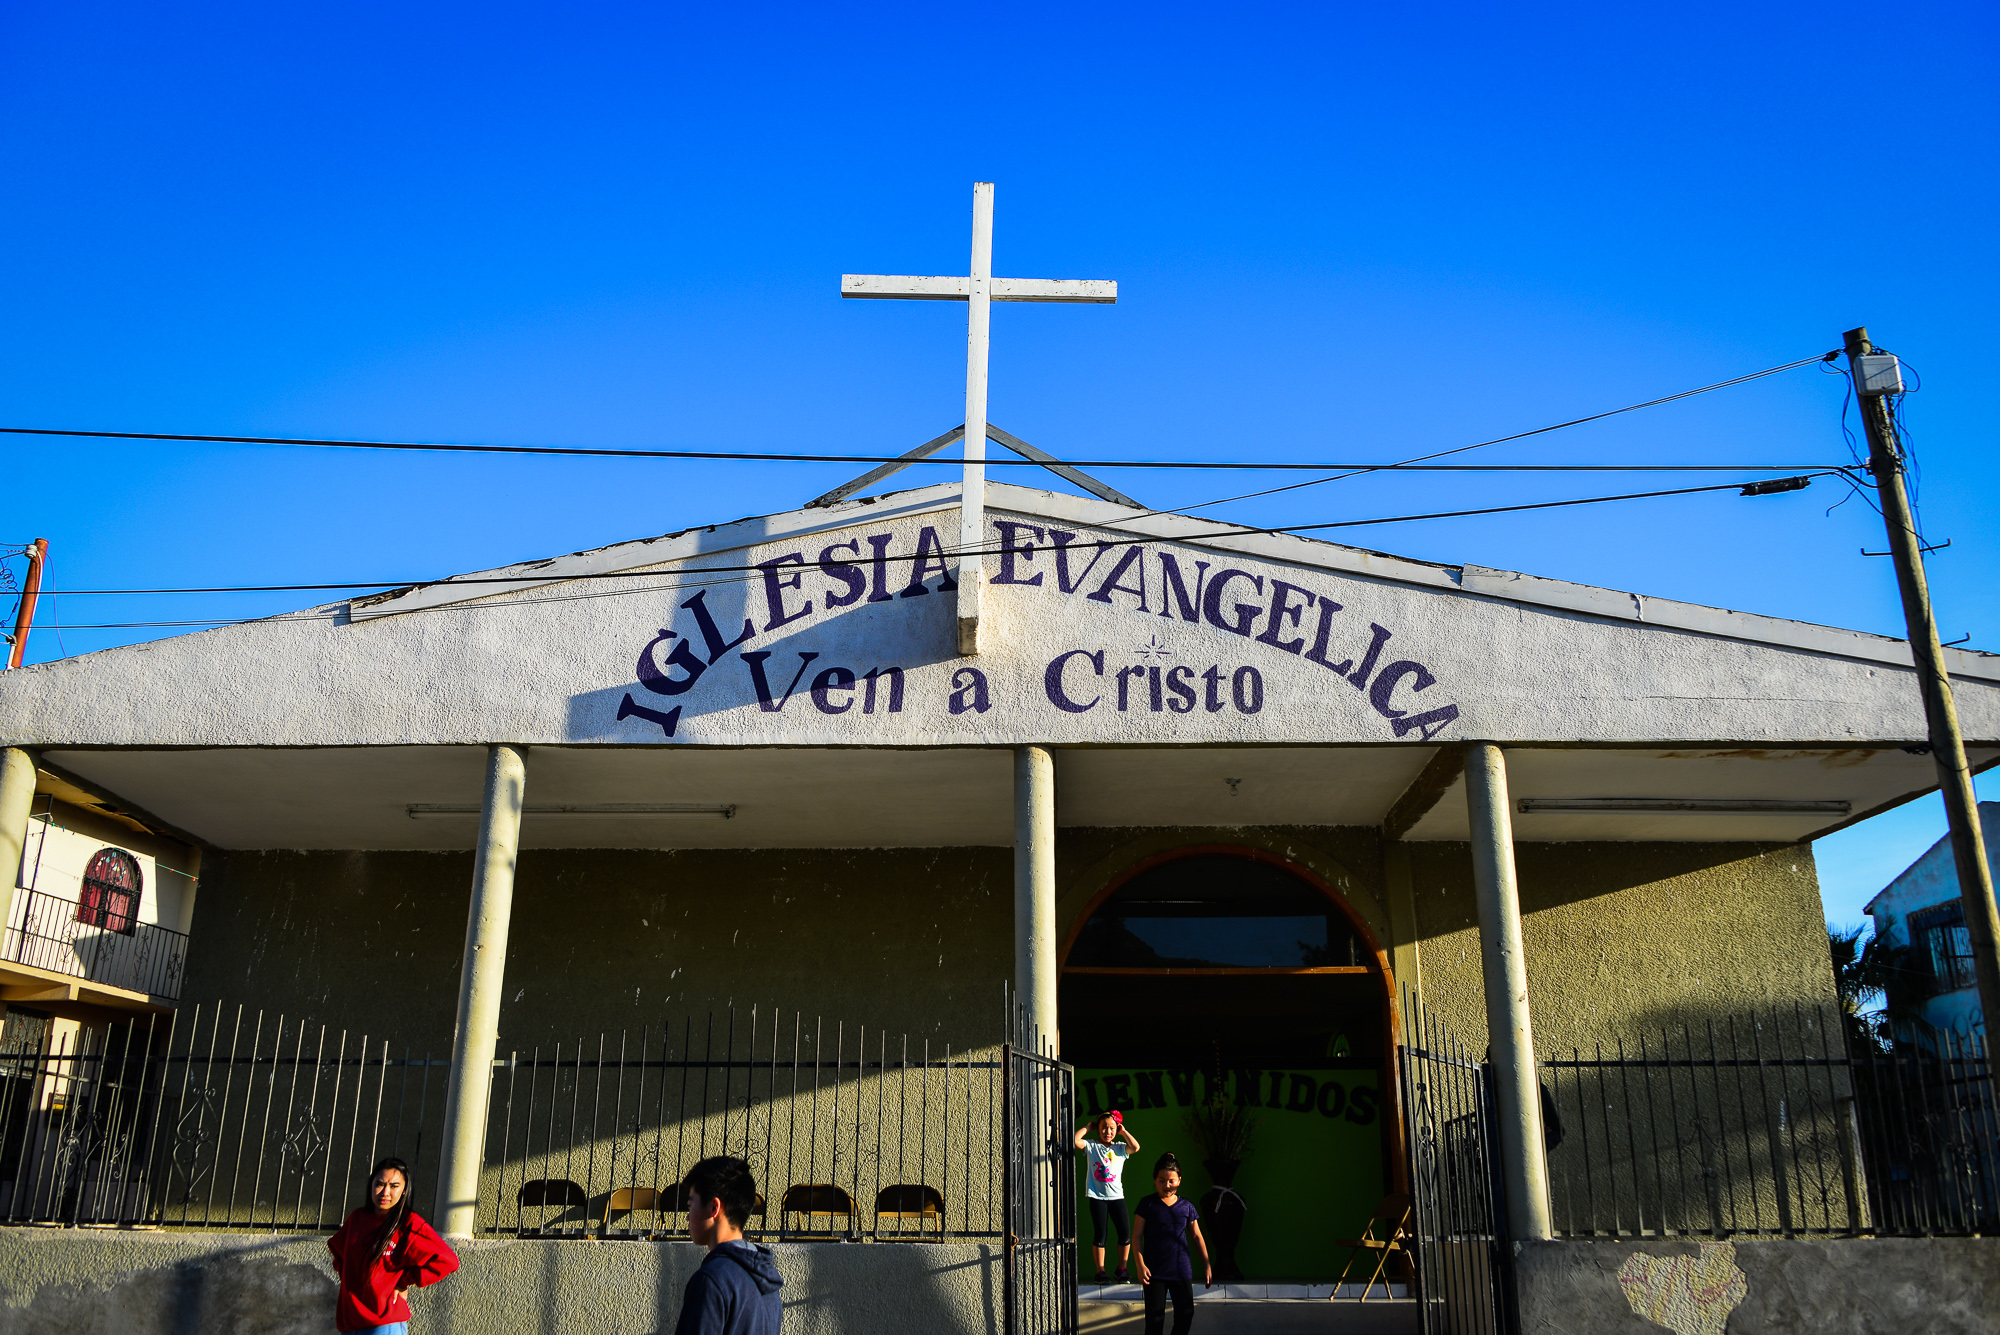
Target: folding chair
column 910, row 1200
column 631, row 1199
column 816, row 1200
column 557, row 1193
column 1391, row 1221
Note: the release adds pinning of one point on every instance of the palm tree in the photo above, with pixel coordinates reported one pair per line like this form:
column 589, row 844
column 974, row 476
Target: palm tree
column 1866, row 969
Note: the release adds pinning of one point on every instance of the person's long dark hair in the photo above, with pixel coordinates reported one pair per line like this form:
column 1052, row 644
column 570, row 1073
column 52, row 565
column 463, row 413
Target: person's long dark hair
column 399, row 1217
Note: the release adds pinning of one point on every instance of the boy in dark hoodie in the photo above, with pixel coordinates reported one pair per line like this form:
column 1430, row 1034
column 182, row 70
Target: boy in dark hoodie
column 735, row 1292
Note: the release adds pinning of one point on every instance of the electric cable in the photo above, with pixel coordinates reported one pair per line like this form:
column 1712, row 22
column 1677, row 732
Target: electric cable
column 743, row 574
column 774, row 457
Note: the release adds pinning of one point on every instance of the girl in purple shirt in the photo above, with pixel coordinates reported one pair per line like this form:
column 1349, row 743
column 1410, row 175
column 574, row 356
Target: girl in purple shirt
column 1162, row 1227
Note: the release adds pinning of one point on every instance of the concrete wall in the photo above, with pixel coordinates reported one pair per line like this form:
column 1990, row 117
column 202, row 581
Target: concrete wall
column 915, row 940
column 65, row 1282
column 1867, row 1286
column 1622, row 938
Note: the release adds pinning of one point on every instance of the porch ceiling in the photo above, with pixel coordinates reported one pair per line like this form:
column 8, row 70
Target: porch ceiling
column 360, row 797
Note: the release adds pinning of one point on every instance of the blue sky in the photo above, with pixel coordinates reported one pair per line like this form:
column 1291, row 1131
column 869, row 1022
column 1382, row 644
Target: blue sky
column 1339, row 232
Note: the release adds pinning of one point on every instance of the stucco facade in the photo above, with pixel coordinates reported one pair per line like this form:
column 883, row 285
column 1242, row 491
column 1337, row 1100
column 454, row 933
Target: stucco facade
column 1623, row 938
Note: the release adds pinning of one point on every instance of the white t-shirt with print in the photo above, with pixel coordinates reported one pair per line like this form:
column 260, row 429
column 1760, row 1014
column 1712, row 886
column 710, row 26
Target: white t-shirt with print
column 1107, row 1170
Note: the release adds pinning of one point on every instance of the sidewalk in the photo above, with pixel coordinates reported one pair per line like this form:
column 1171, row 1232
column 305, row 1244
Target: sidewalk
column 1256, row 1309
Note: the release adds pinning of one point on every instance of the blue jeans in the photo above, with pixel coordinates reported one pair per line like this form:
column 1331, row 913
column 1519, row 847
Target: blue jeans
column 400, row 1328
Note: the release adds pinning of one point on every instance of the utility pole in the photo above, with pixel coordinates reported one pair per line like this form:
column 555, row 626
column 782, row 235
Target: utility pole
column 1877, row 379
column 31, row 592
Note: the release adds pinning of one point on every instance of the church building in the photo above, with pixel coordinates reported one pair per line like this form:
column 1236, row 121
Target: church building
column 1213, row 807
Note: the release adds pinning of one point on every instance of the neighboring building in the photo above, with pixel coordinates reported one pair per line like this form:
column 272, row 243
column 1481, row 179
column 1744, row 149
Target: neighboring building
column 1921, row 909
column 99, row 922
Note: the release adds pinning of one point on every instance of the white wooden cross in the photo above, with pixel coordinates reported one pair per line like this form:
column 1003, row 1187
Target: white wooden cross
column 976, row 290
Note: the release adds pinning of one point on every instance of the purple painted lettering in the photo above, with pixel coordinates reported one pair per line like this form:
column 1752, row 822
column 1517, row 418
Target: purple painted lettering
column 826, row 683
column 930, row 552
column 633, row 709
column 1172, row 583
column 895, row 679
column 1134, row 556
column 1052, row 680
column 1212, row 701
column 968, row 692
column 879, row 544
column 1246, row 613
column 1317, row 654
column 1246, row 688
column 1283, row 614
column 1011, row 549
column 1062, row 540
column 767, row 702
column 683, row 657
column 1359, row 677
column 710, row 633
column 774, row 589
column 851, row 576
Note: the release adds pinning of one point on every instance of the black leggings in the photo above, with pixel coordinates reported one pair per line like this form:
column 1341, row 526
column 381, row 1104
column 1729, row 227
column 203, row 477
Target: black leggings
column 1114, row 1211
column 1156, row 1305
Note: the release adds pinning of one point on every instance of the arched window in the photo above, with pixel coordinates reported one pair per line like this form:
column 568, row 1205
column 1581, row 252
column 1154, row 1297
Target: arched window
column 112, row 885
column 1216, row 912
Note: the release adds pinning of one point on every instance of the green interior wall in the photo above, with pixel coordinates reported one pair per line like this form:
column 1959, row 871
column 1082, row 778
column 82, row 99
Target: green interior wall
column 1314, row 1172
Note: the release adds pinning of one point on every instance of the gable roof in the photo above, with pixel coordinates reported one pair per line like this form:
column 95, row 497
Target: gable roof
column 559, row 651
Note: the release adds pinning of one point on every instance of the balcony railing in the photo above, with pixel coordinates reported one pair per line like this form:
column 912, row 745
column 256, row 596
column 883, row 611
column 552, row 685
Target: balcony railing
column 44, row 933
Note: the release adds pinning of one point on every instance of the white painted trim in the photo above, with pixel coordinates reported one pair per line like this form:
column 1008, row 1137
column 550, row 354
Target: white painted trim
column 639, row 557
column 1004, row 497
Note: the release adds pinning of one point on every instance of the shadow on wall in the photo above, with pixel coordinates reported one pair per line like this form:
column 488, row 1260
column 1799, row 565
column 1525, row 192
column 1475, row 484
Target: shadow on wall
column 714, row 654
column 231, row 1288
column 200, row 1284
column 1557, row 875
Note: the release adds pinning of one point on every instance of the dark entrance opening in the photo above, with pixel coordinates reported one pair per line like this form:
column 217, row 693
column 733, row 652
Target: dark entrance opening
column 1228, row 981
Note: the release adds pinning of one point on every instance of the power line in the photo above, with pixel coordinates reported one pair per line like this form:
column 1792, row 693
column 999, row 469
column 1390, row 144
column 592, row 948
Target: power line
column 1488, row 510
column 754, row 457
column 743, row 573
column 1420, row 464
column 742, row 456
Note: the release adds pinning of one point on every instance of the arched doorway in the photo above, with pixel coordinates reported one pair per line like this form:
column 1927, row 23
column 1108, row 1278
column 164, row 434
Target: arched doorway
column 1228, row 980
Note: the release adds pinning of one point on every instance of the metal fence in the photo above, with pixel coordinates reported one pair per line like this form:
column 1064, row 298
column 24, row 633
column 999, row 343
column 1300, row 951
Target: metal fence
column 1463, row 1273
column 233, row 1119
column 1039, row 1293
column 215, row 1119
column 47, row 932
column 1767, row 1125
column 850, row 1131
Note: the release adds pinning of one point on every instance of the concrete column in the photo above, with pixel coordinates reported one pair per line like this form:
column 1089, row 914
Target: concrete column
column 1524, row 1170
column 480, row 982
column 1035, row 887
column 17, row 800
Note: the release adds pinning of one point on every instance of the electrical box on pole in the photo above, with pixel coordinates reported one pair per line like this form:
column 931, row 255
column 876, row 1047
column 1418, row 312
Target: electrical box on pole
column 1878, row 377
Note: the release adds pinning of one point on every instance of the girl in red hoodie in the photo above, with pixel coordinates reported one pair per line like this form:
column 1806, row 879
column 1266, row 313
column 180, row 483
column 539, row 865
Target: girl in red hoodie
column 382, row 1249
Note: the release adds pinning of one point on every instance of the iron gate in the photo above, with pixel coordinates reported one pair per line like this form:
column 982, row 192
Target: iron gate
column 1464, row 1273
column 1038, row 1114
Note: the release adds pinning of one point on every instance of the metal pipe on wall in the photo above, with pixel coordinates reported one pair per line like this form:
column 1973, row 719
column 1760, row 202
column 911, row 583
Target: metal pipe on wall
column 482, row 978
column 1523, row 1157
